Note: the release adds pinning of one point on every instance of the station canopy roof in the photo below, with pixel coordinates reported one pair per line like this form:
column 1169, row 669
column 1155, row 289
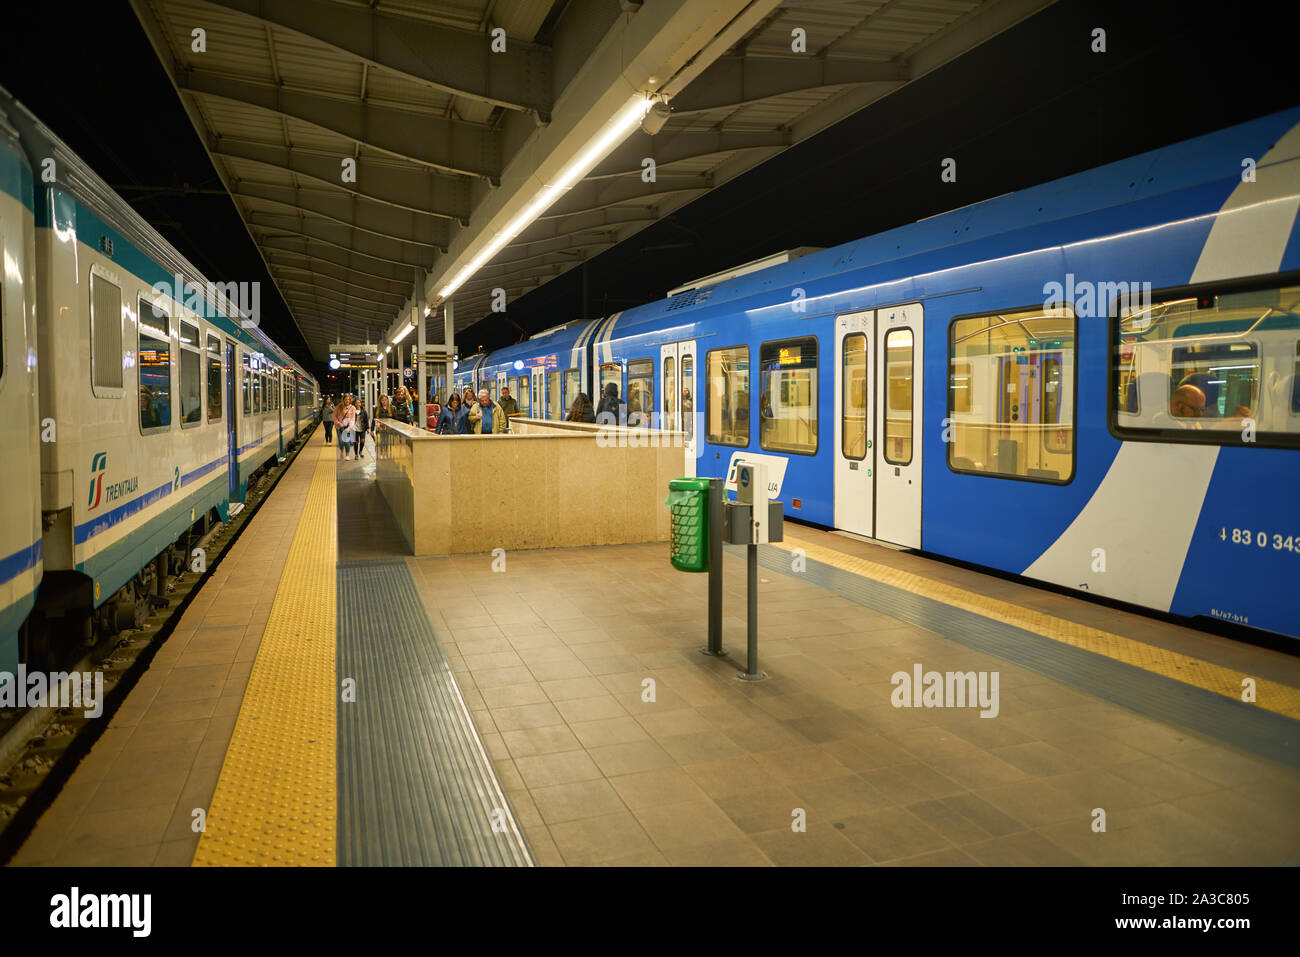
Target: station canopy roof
column 379, row 150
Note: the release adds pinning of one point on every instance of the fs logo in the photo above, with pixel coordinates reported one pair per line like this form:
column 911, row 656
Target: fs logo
column 98, row 466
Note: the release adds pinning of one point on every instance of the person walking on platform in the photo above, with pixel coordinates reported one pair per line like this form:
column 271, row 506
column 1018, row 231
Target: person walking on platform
column 468, row 400
column 327, row 416
column 363, row 426
column 402, row 406
column 345, row 421
column 385, row 410
column 487, row 418
column 435, row 413
column 581, row 410
column 449, row 417
column 607, row 410
column 507, row 402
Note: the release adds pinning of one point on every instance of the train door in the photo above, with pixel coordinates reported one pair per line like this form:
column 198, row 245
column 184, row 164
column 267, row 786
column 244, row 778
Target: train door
column 855, row 454
column 232, row 421
column 898, row 391
column 677, row 396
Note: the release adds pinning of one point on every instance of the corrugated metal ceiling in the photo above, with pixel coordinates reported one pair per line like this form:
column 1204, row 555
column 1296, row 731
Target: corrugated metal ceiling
column 279, row 108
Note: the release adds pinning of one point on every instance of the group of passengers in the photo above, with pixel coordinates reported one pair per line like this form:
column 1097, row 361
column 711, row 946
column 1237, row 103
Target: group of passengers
column 350, row 421
column 472, row 414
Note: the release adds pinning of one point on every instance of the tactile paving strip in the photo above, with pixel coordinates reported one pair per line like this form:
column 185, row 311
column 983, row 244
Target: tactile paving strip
column 1271, row 696
column 416, row 785
column 276, row 798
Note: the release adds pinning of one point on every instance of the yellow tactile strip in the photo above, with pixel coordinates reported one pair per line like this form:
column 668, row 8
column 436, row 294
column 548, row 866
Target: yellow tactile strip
column 276, row 798
column 1272, row 696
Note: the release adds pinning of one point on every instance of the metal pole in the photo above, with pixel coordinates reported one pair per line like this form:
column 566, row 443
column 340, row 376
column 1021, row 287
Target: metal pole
column 751, row 672
column 421, row 374
column 716, row 499
column 449, row 336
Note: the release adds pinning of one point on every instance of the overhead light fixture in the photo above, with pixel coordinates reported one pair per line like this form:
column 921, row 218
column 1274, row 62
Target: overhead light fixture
column 610, row 135
column 656, row 117
column 404, row 333
column 387, row 349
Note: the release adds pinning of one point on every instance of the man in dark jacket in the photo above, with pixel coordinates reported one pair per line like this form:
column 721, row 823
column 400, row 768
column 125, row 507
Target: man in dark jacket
column 608, row 404
column 507, row 402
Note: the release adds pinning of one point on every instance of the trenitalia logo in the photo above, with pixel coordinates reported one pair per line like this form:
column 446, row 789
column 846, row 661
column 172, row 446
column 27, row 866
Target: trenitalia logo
column 99, row 492
column 98, row 466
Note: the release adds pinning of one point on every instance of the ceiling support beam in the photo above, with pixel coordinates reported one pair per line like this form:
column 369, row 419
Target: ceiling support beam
column 453, row 60
column 453, row 146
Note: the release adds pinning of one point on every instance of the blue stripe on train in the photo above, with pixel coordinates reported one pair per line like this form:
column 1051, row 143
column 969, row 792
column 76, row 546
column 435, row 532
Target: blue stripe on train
column 20, row 561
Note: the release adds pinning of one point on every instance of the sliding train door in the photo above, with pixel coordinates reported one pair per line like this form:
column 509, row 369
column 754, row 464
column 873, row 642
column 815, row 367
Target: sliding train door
column 898, row 424
column 677, row 410
column 877, row 424
column 854, row 424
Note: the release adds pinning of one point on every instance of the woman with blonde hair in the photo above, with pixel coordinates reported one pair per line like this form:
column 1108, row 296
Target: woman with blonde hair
column 345, row 421
column 402, row 406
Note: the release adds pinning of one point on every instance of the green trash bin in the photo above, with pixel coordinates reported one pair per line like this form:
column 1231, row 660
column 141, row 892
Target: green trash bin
column 688, row 536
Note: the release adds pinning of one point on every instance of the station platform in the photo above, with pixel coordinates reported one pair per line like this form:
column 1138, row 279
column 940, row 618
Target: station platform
column 327, row 699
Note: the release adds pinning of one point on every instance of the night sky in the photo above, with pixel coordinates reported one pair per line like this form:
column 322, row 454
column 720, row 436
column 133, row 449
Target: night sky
column 1029, row 106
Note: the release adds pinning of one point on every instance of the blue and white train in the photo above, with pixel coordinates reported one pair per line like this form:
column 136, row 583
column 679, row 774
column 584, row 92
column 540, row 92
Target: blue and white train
column 134, row 415
column 1092, row 383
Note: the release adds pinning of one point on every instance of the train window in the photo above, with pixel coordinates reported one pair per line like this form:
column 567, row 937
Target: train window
column 853, row 401
column 960, row 385
column 105, row 333
column 899, row 369
column 640, row 391
column 688, row 401
column 727, row 372
column 787, row 408
column 246, row 395
column 669, row 390
column 553, row 396
column 572, row 386
column 154, row 362
column 191, row 375
column 1295, row 382
column 1214, row 368
column 214, row 379
column 521, row 393
column 611, row 372
column 1011, row 394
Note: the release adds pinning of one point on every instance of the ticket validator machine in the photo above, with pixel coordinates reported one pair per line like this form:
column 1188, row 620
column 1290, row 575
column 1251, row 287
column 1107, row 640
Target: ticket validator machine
column 754, row 518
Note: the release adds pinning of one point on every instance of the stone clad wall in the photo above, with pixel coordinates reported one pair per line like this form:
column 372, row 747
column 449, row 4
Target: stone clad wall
column 546, row 485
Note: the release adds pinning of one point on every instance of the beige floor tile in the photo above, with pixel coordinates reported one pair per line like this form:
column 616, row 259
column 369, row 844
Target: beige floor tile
column 525, row 716
column 558, row 803
column 730, row 775
column 892, row 833
column 590, row 709
column 562, row 767
column 792, row 765
column 545, row 740
column 513, row 696
column 834, row 799
column 761, row 809
column 595, row 840
column 616, row 759
column 659, row 786
column 692, row 823
column 1023, row 849
column 606, row 731
column 819, row 846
